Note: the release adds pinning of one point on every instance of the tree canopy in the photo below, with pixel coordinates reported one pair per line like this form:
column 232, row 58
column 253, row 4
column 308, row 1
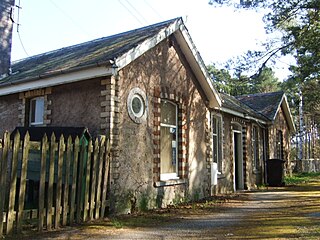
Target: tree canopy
column 298, row 22
column 241, row 84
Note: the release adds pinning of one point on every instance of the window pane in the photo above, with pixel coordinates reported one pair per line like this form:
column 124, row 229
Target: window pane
column 168, row 139
column 39, row 110
column 216, row 141
column 214, row 125
column 215, row 149
column 36, row 111
column 168, row 113
column 168, row 154
column 32, row 110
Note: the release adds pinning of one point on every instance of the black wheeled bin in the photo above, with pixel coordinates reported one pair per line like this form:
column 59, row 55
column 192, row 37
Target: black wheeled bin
column 275, row 169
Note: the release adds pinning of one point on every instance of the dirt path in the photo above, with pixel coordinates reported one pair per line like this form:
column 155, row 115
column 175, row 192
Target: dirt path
column 278, row 213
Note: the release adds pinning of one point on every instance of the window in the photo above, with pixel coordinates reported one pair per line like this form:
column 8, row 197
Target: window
column 216, row 141
column 255, row 147
column 279, row 143
column 168, row 140
column 137, row 106
column 36, row 111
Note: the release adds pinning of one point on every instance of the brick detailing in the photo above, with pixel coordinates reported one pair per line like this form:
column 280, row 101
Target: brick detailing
column 245, row 154
column 209, row 150
column 110, row 118
column 172, row 95
column 209, row 142
column 25, row 96
column 242, row 123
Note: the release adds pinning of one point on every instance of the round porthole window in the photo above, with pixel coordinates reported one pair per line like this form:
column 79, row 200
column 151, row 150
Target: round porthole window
column 137, row 106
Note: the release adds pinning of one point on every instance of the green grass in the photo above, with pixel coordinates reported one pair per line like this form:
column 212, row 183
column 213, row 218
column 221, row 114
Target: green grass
column 116, row 223
column 299, row 178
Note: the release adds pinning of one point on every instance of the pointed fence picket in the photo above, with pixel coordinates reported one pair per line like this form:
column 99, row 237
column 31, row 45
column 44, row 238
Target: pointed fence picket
column 72, row 181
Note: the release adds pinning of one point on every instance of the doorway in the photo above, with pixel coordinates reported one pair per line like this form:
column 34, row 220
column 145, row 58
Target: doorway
column 238, row 179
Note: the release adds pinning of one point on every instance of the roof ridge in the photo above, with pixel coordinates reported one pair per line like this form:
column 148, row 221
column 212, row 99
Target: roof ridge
column 96, row 40
column 247, row 100
column 261, row 94
column 242, row 105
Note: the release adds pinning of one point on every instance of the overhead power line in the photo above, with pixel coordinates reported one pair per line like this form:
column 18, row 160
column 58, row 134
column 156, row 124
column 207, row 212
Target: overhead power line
column 133, row 14
column 69, row 17
column 153, row 9
column 18, row 28
column 137, row 12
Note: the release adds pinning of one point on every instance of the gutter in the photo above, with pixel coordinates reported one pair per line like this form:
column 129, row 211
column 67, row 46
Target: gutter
column 57, row 78
column 242, row 115
column 54, row 73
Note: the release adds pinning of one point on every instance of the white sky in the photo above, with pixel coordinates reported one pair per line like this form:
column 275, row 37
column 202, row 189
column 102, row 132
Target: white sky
column 218, row 33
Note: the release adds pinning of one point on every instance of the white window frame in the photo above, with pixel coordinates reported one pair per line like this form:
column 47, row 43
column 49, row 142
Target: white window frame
column 172, row 176
column 255, row 147
column 218, row 136
column 38, row 111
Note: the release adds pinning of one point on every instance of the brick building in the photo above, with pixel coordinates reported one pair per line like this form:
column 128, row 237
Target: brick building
column 149, row 91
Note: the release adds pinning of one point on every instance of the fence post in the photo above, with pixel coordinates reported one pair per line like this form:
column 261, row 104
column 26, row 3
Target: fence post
column 74, row 179
column 13, row 182
column 79, row 184
column 59, row 182
column 3, row 176
column 87, row 183
column 23, row 179
column 105, row 179
column 65, row 205
column 100, row 166
column 42, row 184
column 94, row 178
column 53, row 147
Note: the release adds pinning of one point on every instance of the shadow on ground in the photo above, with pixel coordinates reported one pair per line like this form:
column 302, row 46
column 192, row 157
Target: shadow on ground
column 291, row 212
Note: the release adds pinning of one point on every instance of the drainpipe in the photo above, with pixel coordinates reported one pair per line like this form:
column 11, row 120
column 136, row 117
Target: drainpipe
column 6, row 25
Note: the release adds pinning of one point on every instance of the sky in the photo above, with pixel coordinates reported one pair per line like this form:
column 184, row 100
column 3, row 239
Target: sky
column 218, row 33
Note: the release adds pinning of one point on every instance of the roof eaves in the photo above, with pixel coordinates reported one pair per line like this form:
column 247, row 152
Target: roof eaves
column 55, row 73
column 244, row 115
column 54, row 80
column 199, row 68
column 288, row 114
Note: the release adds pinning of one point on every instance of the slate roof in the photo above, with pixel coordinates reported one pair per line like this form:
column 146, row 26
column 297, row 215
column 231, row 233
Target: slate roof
column 98, row 52
column 232, row 103
column 266, row 104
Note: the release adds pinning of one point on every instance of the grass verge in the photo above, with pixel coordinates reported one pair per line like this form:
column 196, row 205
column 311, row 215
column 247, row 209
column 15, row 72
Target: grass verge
column 299, row 178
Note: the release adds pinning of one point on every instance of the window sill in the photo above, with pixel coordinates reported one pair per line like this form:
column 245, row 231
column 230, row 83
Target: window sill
column 169, row 182
column 221, row 175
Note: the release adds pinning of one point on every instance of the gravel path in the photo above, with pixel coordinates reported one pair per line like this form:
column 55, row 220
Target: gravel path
column 279, row 213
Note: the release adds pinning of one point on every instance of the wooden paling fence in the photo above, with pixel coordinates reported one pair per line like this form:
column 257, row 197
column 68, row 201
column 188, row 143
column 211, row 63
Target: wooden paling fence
column 70, row 178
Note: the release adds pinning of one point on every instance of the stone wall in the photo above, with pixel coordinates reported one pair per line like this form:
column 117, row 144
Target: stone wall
column 280, row 124
column 160, row 73
column 253, row 176
column 76, row 105
column 71, row 105
column 225, row 179
column 9, row 113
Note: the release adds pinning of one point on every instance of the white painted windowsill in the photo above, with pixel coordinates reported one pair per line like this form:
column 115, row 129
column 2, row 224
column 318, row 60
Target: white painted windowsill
column 171, row 182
